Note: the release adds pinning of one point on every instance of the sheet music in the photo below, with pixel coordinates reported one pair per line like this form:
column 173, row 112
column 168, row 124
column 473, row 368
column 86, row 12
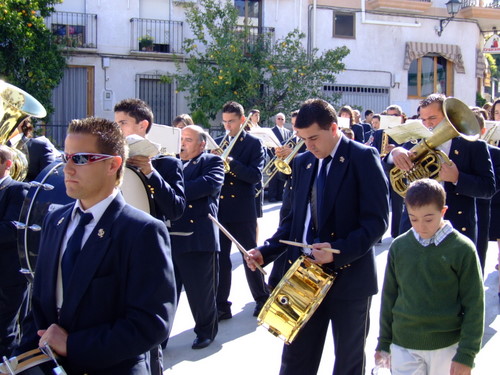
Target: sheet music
column 142, row 146
column 266, row 136
column 389, row 121
column 413, row 129
column 343, row 122
column 168, row 137
column 211, row 144
column 492, row 131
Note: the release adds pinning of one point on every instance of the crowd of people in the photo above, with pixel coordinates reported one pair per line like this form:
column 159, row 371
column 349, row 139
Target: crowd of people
column 108, row 276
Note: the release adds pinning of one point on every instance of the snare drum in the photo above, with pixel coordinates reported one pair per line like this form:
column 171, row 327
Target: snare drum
column 295, row 299
column 48, row 192
column 33, row 362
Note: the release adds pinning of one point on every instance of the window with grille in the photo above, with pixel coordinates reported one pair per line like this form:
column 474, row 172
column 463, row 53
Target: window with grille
column 158, row 95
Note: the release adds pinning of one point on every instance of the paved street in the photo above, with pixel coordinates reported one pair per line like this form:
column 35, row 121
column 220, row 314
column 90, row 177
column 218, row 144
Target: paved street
column 243, row 348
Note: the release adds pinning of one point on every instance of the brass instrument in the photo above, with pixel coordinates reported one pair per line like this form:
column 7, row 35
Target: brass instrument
column 488, row 136
column 225, row 147
column 385, row 143
column 276, row 164
column 458, row 120
column 16, row 105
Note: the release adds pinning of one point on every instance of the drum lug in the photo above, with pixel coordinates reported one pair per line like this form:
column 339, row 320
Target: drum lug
column 37, row 184
column 26, row 271
column 34, row 227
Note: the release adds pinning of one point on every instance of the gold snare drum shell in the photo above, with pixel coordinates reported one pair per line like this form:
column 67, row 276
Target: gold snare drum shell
column 295, row 299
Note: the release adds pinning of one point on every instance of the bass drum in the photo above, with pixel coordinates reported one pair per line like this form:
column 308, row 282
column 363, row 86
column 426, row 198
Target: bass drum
column 48, row 193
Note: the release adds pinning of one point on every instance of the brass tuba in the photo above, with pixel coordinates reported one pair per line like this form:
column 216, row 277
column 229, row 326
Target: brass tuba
column 15, row 106
column 458, row 120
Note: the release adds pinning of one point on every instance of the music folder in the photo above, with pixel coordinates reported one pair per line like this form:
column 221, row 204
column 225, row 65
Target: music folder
column 266, row 136
column 413, row 129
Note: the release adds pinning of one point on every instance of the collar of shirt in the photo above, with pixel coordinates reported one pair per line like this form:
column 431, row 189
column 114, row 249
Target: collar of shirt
column 3, row 179
column 445, row 147
column 438, row 237
column 97, row 210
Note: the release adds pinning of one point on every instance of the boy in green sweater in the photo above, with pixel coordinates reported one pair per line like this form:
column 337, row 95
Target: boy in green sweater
column 432, row 310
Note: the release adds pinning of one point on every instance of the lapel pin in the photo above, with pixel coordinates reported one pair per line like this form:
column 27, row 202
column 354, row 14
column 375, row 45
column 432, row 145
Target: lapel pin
column 100, row 233
column 60, row 221
column 456, row 152
column 341, row 159
column 309, row 166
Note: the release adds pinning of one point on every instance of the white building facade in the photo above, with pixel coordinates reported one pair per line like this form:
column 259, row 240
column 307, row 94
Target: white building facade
column 397, row 56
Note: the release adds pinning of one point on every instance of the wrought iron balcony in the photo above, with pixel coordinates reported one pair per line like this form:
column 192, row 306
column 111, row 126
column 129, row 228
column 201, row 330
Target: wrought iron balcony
column 73, row 30
column 161, row 36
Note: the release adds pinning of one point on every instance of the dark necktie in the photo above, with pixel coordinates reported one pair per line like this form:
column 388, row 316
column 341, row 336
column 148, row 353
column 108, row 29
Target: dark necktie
column 317, row 200
column 74, row 246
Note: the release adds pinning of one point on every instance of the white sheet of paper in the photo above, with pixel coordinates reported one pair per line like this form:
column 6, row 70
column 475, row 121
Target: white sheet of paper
column 168, row 137
column 343, row 122
column 389, row 121
column 142, row 146
column 211, row 144
column 413, row 129
column 492, row 131
column 266, row 136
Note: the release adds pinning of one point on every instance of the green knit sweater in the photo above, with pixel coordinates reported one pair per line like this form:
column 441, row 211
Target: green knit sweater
column 433, row 297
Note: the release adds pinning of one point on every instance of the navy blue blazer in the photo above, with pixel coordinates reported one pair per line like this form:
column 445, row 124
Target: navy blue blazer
column 167, row 184
column 237, row 197
column 359, row 132
column 356, row 215
column 12, row 194
column 286, row 134
column 41, row 152
column 203, row 178
column 476, row 180
column 121, row 297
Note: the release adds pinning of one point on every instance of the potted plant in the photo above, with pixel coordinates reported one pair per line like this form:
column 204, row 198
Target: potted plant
column 146, row 43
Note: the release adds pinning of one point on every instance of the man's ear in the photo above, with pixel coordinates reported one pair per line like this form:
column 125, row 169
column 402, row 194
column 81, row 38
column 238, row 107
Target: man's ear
column 8, row 163
column 443, row 210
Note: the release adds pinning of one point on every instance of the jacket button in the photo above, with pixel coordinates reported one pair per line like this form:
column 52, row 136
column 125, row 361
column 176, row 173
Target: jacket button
column 190, row 206
column 332, row 234
column 221, row 197
column 464, row 229
column 191, row 221
column 233, row 196
column 460, row 212
column 231, row 183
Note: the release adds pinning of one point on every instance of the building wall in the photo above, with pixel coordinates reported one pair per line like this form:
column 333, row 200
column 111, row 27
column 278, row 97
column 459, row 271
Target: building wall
column 376, row 58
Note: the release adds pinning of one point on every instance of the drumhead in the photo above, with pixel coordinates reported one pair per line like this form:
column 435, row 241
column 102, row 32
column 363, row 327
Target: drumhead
column 41, row 201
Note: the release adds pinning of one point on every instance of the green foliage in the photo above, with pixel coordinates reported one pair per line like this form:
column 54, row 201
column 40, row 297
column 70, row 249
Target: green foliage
column 492, row 63
column 28, row 57
column 230, row 62
column 480, row 101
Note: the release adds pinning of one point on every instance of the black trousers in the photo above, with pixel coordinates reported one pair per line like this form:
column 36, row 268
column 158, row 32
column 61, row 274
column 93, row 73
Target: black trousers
column 198, row 272
column 11, row 314
column 245, row 233
column 350, row 324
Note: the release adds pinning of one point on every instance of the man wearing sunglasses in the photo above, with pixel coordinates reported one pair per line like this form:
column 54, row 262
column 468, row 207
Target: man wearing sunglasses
column 104, row 290
column 164, row 173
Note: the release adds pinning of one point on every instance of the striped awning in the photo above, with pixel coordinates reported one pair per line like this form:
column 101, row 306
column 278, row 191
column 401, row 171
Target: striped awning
column 480, row 63
column 415, row 50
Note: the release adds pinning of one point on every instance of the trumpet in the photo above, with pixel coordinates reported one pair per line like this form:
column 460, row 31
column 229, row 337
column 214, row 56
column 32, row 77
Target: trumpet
column 277, row 164
column 226, row 147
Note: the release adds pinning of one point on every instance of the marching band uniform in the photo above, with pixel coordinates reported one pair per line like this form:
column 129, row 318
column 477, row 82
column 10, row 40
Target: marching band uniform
column 12, row 282
column 120, row 299
column 196, row 255
column 237, row 213
column 276, row 185
column 484, row 208
column 355, row 217
column 476, row 180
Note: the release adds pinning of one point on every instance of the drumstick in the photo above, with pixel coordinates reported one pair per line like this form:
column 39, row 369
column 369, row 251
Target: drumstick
column 298, row 244
column 233, row 240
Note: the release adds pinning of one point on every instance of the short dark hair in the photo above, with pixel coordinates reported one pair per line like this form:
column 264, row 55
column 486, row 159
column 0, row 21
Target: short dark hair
column 110, row 139
column 5, row 154
column 316, row 111
column 425, row 192
column 376, row 115
column 233, row 107
column 183, row 118
column 138, row 109
column 294, row 113
column 432, row 98
column 368, row 112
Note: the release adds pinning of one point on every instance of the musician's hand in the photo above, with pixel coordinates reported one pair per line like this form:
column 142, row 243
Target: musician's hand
column 389, row 147
column 449, row 172
column 56, row 337
column 283, row 152
column 254, row 256
column 401, row 158
column 321, row 256
column 459, row 369
column 217, row 151
column 141, row 162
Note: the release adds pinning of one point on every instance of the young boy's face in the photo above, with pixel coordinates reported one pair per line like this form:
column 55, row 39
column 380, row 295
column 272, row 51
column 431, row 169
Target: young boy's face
column 426, row 220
